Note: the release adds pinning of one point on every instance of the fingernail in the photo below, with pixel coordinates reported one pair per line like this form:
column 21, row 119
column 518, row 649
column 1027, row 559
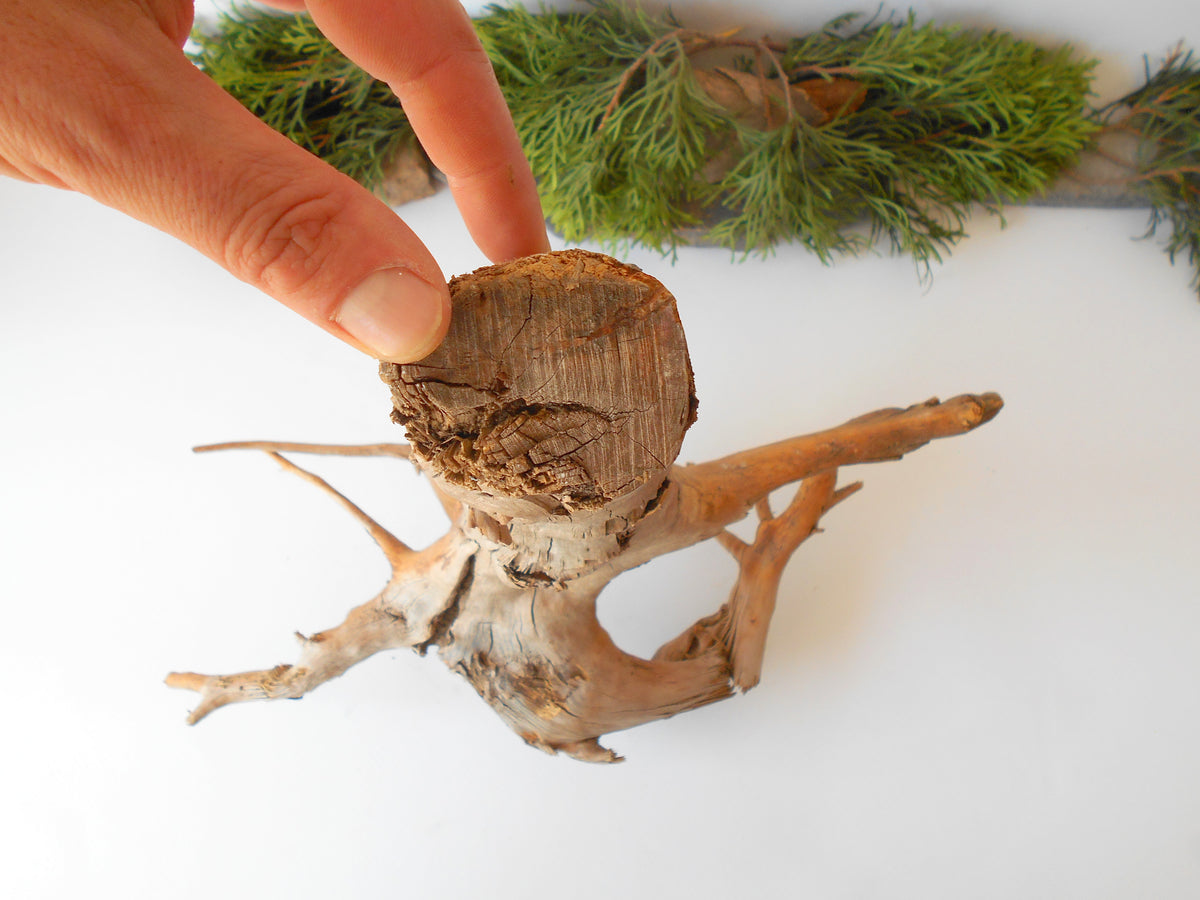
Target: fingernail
column 396, row 315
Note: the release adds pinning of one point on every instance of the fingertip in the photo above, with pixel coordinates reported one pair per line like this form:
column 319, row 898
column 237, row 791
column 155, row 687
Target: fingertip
column 449, row 91
column 395, row 315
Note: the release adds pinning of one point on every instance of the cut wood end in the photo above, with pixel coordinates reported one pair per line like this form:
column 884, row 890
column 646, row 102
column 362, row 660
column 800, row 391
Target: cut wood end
column 564, row 375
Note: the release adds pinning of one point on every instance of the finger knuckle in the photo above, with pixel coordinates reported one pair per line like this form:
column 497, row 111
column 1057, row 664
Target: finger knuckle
column 282, row 240
column 450, row 59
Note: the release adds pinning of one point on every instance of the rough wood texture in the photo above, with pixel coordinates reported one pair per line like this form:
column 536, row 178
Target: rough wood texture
column 548, row 423
column 408, row 175
column 564, row 382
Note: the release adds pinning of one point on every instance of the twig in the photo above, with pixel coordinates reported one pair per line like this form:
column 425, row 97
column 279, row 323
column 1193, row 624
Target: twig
column 783, row 80
column 702, row 42
column 632, row 70
column 401, row 451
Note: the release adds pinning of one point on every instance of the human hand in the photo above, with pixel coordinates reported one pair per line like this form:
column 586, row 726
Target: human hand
column 97, row 96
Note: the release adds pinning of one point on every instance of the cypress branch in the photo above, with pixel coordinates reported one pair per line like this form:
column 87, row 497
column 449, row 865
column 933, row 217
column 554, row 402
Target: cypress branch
column 860, row 134
column 1164, row 114
column 287, row 73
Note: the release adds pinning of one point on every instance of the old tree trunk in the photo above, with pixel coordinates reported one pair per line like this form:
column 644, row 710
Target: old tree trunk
column 548, row 422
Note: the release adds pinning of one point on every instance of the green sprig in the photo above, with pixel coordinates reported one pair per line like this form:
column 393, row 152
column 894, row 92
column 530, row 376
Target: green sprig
column 287, row 73
column 952, row 118
column 612, row 171
column 1165, row 114
column 625, row 142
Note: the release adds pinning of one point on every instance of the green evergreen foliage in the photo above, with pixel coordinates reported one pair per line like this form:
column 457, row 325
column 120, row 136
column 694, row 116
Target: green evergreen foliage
column 1166, row 112
column 952, row 118
column 623, row 138
column 636, row 178
column 287, row 73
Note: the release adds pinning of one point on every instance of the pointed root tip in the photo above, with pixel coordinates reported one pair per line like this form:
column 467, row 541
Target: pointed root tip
column 188, row 681
column 744, row 682
column 192, row 681
column 990, row 405
column 734, row 544
column 605, row 756
column 589, row 751
column 842, row 493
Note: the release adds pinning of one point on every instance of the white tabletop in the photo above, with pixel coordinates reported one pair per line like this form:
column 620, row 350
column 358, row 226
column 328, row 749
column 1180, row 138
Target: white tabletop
column 982, row 680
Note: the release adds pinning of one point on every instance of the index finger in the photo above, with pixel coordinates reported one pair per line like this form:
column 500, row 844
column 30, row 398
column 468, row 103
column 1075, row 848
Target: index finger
column 428, row 54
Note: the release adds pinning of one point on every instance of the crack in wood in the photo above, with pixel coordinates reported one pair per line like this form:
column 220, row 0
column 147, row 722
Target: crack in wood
column 440, row 627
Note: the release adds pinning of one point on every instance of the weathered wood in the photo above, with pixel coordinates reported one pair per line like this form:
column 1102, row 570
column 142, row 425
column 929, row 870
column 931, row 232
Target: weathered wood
column 408, row 175
column 549, row 422
column 564, row 381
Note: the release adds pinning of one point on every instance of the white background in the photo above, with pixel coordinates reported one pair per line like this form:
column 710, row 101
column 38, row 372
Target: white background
column 981, row 682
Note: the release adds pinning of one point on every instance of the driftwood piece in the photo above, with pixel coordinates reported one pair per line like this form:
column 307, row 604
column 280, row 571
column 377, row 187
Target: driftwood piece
column 548, row 423
column 407, row 175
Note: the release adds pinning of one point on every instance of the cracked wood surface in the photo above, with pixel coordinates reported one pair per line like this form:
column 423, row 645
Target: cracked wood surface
column 564, row 379
column 548, row 422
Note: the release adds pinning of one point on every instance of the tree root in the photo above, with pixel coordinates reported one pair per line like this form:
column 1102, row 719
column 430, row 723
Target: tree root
column 508, row 595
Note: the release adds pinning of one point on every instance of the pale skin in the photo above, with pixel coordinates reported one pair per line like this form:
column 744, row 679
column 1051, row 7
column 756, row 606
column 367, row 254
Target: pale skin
column 97, row 96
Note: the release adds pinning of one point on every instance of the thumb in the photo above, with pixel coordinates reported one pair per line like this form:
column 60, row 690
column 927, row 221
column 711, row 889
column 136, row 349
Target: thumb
column 163, row 143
